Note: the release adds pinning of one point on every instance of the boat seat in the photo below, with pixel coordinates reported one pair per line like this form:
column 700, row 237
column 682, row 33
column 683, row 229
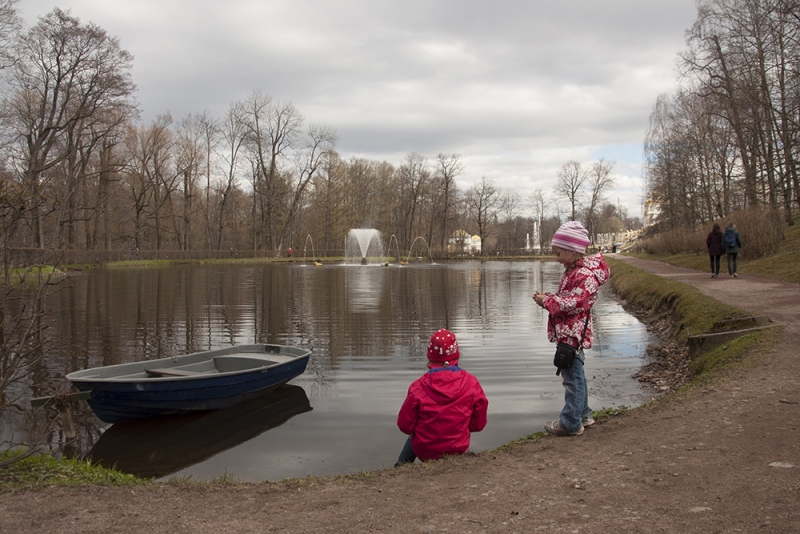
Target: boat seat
column 166, row 371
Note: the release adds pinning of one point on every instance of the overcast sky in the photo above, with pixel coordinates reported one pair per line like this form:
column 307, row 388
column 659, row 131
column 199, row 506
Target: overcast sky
column 516, row 87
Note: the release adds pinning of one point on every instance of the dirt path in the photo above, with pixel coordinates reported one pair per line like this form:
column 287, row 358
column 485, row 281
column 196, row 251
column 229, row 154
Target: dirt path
column 724, row 458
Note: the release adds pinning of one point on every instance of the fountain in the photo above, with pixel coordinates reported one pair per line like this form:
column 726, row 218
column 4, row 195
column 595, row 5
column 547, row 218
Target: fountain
column 313, row 254
column 363, row 243
column 396, row 248
column 412, row 248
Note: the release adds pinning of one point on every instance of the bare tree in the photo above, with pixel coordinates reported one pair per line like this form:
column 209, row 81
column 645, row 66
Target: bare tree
column 448, row 168
column 513, row 228
column 713, row 55
column 273, row 130
column 611, row 219
column 65, row 76
column 23, row 337
column 509, row 205
column 483, row 203
column 413, row 177
column 327, row 204
column 75, row 179
column 234, row 134
column 320, row 141
column 599, row 179
column 538, row 203
column 740, row 59
column 10, row 24
column 368, row 197
column 571, row 178
column 151, row 179
column 197, row 138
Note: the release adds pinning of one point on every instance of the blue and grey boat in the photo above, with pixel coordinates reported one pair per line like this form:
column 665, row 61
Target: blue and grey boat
column 207, row 380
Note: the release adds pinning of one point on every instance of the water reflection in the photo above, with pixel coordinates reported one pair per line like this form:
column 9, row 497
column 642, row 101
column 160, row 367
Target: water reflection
column 162, row 445
column 367, row 327
column 363, row 288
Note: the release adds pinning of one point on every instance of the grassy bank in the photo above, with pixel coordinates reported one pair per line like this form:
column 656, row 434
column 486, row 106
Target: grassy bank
column 688, row 309
column 785, row 265
column 39, row 471
column 690, row 312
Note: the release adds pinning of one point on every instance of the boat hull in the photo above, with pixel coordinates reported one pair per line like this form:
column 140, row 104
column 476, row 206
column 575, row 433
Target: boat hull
column 124, row 392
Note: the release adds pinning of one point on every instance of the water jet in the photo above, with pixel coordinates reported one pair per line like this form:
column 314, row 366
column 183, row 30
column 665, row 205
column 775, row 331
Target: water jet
column 363, row 243
column 412, row 248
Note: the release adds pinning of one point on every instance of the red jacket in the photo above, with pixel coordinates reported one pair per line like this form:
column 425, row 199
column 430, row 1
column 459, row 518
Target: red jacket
column 576, row 295
column 442, row 407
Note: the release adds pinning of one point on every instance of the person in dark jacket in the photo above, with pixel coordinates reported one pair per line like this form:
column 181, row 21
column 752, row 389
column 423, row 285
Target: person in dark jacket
column 732, row 242
column 442, row 406
column 715, row 249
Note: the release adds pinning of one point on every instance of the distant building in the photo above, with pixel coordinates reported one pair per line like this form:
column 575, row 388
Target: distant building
column 615, row 241
column 463, row 243
column 651, row 212
column 475, row 244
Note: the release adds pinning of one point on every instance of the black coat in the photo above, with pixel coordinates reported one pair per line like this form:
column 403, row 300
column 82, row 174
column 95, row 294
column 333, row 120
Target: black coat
column 714, row 243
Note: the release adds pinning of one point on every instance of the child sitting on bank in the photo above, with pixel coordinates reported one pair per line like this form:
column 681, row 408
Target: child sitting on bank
column 442, row 406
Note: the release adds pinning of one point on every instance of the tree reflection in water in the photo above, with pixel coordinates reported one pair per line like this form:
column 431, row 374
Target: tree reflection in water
column 368, row 327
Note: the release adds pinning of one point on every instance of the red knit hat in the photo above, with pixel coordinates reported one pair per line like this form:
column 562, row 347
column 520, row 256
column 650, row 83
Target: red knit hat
column 443, row 348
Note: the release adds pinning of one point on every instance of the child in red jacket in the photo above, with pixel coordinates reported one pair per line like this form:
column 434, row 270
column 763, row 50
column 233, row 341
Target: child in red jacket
column 442, row 406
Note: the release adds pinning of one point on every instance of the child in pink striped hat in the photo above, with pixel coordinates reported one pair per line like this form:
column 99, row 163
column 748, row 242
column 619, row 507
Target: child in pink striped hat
column 567, row 323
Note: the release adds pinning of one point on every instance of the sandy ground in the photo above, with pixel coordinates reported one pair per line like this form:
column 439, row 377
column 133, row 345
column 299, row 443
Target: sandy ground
column 723, row 458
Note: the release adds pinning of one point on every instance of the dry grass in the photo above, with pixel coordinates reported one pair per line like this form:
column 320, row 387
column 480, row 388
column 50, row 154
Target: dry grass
column 762, row 231
column 783, row 264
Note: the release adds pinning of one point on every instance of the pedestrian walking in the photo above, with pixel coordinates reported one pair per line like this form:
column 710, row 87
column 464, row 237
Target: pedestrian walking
column 732, row 241
column 715, row 249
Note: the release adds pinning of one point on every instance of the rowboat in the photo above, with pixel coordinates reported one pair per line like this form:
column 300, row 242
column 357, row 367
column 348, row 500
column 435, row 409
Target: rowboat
column 207, row 380
column 159, row 446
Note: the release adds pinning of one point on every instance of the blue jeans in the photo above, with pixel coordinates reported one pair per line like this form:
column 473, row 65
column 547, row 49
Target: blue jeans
column 407, row 454
column 576, row 396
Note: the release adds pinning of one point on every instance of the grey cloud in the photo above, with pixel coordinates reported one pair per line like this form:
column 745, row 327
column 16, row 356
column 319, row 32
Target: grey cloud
column 515, row 86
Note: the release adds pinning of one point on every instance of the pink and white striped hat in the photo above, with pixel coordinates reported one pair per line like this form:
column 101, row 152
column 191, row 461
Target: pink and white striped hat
column 571, row 236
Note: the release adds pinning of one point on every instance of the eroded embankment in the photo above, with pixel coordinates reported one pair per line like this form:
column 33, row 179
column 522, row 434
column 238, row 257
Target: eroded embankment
column 674, row 312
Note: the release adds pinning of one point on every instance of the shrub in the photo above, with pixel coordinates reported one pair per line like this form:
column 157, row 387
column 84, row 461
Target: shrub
column 761, row 229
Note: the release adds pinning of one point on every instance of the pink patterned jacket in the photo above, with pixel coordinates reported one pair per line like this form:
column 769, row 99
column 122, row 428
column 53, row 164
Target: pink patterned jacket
column 577, row 293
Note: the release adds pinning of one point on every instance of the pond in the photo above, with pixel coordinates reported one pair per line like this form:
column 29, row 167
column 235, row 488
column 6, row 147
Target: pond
column 368, row 328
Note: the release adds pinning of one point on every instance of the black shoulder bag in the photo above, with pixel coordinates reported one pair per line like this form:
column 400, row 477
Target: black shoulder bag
column 565, row 354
